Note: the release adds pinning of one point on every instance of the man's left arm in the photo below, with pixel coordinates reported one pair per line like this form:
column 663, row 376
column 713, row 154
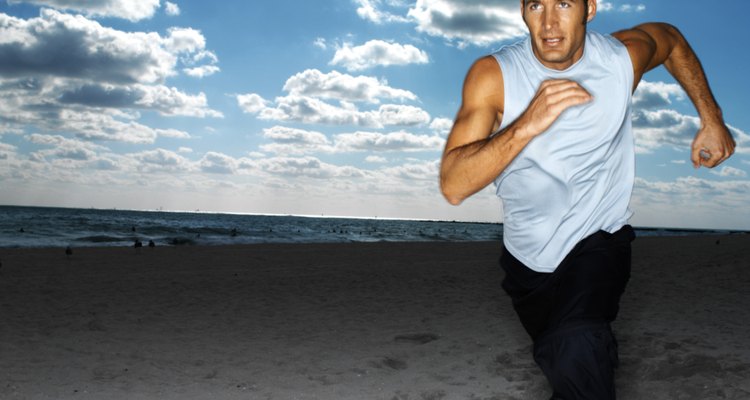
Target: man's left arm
column 654, row 44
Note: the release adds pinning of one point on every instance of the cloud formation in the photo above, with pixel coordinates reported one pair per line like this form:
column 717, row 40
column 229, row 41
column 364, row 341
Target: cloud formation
column 171, row 9
column 469, row 22
column 338, row 86
column 63, row 45
column 657, row 124
column 377, row 53
column 464, row 22
column 372, row 10
column 298, row 141
column 132, row 10
column 70, row 74
column 627, row 7
column 655, row 95
column 308, row 90
column 381, row 142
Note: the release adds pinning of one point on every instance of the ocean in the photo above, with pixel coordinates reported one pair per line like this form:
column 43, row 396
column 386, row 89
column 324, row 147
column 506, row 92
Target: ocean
column 61, row 227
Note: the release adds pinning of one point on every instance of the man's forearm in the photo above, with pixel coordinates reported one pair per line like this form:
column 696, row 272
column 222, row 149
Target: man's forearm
column 467, row 169
column 713, row 143
column 684, row 66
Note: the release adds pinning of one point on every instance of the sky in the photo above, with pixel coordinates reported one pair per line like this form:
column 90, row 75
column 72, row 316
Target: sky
column 325, row 107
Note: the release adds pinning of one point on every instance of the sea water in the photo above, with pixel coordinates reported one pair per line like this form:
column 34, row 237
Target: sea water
column 60, row 227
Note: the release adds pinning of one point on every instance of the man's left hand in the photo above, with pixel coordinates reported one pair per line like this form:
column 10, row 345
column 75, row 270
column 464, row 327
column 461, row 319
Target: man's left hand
column 712, row 145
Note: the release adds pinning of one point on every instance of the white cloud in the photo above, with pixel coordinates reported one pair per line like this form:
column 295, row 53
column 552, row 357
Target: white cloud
column 371, row 10
column 441, row 126
column 376, row 159
column 298, row 141
column 104, row 126
column 393, row 141
column 675, row 203
column 184, row 40
column 252, row 103
column 314, row 111
column 377, row 53
column 63, row 148
column 132, row 10
column 424, row 171
column 464, row 22
column 652, row 95
column 604, row 6
column 96, row 111
column 656, row 125
column 171, row 9
column 171, row 101
column 160, row 160
column 469, row 22
column 729, row 172
column 295, row 141
column 218, row 163
column 654, row 129
column 202, row 71
column 173, row 133
column 393, row 114
column 320, row 43
column 305, row 103
column 295, row 136
column 62, row 45
column 57, row 44
column 627, row 7
column 307, row 167
column 7, row 151
column 335, row 85
column 165, row 100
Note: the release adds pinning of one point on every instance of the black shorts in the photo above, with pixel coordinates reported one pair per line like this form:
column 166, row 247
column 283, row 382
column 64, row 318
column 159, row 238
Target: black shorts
column 568, row 312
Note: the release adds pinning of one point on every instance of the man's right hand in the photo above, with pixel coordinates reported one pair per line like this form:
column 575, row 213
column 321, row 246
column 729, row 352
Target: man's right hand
column 552, row 98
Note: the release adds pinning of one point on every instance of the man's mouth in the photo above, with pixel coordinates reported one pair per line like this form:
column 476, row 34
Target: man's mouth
column 552, row 42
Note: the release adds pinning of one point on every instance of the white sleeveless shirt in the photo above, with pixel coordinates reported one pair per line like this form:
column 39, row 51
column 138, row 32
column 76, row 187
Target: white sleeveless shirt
column 577, row 177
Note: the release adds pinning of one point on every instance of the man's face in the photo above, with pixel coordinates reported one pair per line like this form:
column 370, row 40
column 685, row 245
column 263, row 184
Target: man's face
column 557, row 29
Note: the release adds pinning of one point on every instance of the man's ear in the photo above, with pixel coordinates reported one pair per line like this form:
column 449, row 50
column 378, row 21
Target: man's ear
column 592, row 11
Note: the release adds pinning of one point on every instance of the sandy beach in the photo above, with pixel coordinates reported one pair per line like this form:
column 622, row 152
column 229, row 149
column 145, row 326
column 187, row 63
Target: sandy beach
column 401, row 321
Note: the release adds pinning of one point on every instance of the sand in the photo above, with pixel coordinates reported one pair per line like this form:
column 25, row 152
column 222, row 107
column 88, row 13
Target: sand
column 403, row 321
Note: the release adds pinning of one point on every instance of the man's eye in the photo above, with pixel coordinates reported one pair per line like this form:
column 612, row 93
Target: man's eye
column 564, row 5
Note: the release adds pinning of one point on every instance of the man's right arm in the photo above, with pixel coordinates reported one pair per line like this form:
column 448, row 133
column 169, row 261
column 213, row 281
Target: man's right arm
column 472, row 158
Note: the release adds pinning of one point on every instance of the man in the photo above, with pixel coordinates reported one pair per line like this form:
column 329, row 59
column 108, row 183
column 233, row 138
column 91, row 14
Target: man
column 548, row 119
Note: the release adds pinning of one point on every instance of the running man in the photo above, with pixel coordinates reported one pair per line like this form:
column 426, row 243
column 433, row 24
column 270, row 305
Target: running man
column 548, row 120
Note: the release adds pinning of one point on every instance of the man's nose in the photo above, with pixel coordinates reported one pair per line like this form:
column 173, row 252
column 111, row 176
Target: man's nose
column 549, row 19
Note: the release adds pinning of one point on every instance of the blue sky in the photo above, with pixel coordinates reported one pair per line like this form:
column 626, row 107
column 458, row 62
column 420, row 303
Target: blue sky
column 326, row 107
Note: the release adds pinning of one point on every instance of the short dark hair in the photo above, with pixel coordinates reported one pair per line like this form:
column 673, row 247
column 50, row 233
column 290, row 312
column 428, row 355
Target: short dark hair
column 585, row 10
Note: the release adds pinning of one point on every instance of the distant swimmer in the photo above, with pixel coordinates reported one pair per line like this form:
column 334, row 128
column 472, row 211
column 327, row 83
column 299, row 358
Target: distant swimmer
column 21, row 230
column 234, row 232
column 137, row 244
column 151, row 243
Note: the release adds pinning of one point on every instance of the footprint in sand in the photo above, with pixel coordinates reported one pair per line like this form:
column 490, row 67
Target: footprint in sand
column 416, row 338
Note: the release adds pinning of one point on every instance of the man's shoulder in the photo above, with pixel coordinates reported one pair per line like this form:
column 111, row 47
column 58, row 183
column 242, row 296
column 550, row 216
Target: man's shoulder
column 608, row 47
column 486, row 70
column 516, row 48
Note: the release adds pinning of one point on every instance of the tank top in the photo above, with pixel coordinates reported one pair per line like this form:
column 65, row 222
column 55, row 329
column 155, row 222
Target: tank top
column 577, row 177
